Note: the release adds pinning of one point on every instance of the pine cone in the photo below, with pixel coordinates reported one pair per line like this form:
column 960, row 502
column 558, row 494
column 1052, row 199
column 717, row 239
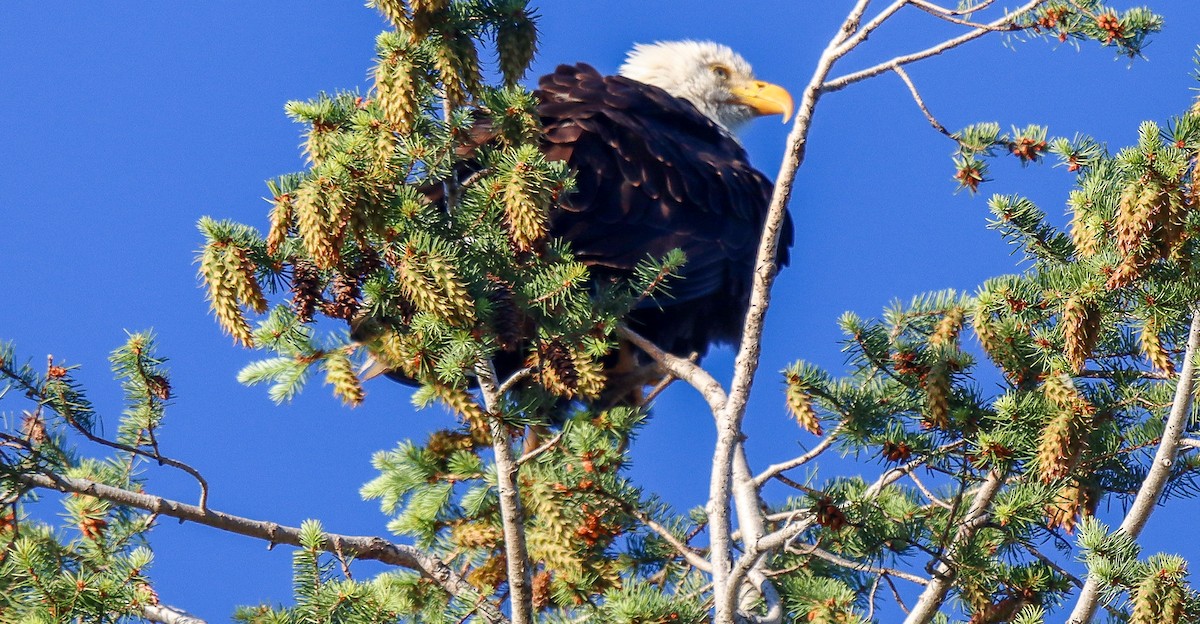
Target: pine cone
column 1153, row 348
column 557, row 368
column 306, row 289
column 800, row 404
column 506, row 319
column 344, row 291
column 937, row 396
column 947, row 329
column 1081, row 328
column 541, row 590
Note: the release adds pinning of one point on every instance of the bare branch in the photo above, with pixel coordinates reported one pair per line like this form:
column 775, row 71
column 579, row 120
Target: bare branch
column 929, row 495
column 912, row 88
column 512, row 516
column 682, row 368
column 133, row 450
column 943, row 13
column 169, row 615
column 1160, row 470
column 857, row 566
column 687, row 552
column 361, row 547
column 842, row 82
column 531, row 455
column 796, row 462
column 513, row 380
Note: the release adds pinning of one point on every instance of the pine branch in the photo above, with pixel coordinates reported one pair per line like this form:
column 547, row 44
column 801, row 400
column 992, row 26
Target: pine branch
column 1160, row 470
column 361, row 547
column 944, row 573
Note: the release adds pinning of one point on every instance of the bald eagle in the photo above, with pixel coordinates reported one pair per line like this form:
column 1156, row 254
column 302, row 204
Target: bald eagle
column 657, row 168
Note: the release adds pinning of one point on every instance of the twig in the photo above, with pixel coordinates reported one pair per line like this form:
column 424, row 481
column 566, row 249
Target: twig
column 531, row 455
column 174, row 463
column 896, row 595
column 512, row 516
column 659, row 388
column 362, row 547
column 842, row 82
column 951, row 16
column 691, row 556
column 924, row 490
column 796, row 462
column 871, row 598
column 513, row 380
column 1075, row 580
column 1160, row 470
column 681, row 368
column 944, row 573
column 912, row 88
column 857, row 566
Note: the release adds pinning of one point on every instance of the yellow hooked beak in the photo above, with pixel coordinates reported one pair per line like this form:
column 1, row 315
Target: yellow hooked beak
column 764, row 98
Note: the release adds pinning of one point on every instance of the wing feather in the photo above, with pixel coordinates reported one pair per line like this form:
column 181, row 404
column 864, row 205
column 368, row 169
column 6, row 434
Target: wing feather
column 654, row 174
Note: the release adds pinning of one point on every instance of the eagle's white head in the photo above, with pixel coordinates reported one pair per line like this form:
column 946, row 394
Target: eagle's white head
column 715, row 79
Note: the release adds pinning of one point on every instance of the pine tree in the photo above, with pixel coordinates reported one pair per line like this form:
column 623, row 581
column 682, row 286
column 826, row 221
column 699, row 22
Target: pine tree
column 439, row 264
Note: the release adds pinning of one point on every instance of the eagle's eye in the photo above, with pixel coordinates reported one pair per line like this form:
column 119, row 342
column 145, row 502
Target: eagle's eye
column 720, row 71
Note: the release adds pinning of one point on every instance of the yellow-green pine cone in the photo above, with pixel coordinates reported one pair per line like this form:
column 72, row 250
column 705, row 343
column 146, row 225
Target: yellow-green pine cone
column 490, row 574
column 1081, row 328
column 461, row 403
column 1147, row 608
column 947, row 328
column 1153, row 348
column 453, row 291
column 1068, row 505
column 314, row 225
column 419, row 289
column 427, row 14
column 590, row 374
column 1174, row 219
column 1086, row 233
column 1054, row 453
column 339, row 373
column 475, row 535
column 800, row 405
column 318, row 142
column 1135, row 215
column 457, row 63
column 516, row 44
column 1173, row 603
column 936, row 385
column 394, row 10
column 525, row 213
column 243, row 271
column 552, row 535
column 396, row 88
column 222, row 293
column 282, row 213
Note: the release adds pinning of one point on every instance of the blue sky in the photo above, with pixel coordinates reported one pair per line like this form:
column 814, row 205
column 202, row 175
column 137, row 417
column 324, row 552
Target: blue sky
column 125, row 122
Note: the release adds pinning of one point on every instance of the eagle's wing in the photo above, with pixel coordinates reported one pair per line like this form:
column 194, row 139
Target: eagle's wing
column 654, row 174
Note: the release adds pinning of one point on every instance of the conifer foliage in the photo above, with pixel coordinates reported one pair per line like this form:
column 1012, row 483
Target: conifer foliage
column 426, row 238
